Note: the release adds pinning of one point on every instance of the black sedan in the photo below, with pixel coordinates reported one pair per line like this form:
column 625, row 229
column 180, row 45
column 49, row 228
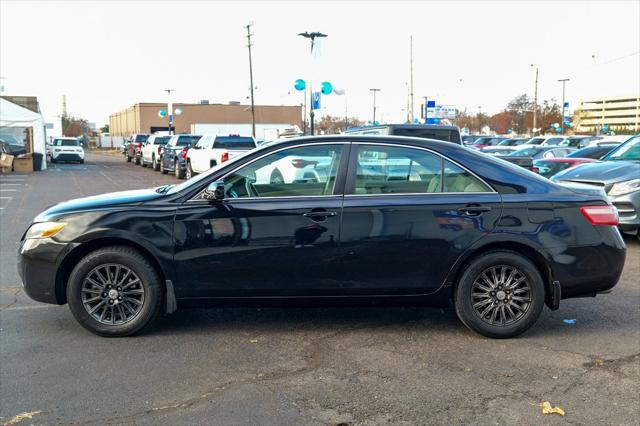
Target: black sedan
column 386, row 219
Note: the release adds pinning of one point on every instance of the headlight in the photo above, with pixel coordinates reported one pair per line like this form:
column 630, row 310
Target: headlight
column 56, row 150
column 626, row 187
column 44, row 229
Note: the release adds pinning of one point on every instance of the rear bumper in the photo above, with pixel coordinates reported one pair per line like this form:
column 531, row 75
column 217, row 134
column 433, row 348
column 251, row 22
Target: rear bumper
column 588, row 270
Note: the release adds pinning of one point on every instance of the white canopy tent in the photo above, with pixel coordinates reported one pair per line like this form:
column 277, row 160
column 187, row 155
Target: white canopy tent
column 14, row 119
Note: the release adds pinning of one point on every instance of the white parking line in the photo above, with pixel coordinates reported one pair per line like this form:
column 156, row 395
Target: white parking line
column 10, row 184
column 6, row 198
column 8, row 190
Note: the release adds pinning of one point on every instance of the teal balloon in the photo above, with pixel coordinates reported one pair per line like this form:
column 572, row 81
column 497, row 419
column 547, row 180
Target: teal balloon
column 162, row 113
column 300, row 84
column 327, row 88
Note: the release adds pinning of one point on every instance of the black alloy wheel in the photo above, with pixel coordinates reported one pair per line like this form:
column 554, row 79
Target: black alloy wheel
column 500, row 294
column 114, row 291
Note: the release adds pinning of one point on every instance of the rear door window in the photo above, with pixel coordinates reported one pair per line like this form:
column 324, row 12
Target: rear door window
column 401, row 170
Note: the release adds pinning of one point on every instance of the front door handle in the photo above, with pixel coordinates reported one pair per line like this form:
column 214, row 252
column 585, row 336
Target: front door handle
column 319, row 216
column 474, row 210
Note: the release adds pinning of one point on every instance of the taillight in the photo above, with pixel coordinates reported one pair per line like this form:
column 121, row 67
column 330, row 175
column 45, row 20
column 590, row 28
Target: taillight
column 225, row 157
column 534, row 169
column 184, row 153
column 159, row 149
column 600, row 215
column 138, row 146
column 300, row 164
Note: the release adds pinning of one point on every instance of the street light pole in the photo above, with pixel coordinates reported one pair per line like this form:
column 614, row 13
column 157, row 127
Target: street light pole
column 563, row 81
column 169, row 109
column 312, row 36
column 535, row 103
column 374, row 105
column 253, row 108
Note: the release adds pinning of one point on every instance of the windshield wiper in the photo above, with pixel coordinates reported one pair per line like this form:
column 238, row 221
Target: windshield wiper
column 163, row 189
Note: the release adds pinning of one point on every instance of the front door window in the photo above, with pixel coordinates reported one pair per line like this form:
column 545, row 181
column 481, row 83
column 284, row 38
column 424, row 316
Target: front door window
column 295, row 172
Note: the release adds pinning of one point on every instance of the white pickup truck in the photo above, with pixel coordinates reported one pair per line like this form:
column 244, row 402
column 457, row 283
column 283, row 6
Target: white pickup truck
column 212, row 150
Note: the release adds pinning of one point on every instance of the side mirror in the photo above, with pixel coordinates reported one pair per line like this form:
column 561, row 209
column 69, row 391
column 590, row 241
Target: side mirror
column 215, row 191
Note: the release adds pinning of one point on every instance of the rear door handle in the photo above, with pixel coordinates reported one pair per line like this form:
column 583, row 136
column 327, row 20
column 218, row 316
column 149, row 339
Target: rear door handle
column 474, row 210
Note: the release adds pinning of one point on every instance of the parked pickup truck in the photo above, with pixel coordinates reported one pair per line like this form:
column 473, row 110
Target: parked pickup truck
column 212, row 150
column 173, row 155
column 151, row 150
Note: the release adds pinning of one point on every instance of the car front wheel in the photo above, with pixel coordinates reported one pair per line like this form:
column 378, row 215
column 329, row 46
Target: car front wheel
column 114, row 291
column 500, row 294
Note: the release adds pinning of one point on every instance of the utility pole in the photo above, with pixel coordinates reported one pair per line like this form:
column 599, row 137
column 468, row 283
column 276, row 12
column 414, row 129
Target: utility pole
column 253, row 107
column 374, row 105
column 563, row 81
column 312, row 36
column 411, row 116
column 535, row 103
column 170, row 110
column 64, row 106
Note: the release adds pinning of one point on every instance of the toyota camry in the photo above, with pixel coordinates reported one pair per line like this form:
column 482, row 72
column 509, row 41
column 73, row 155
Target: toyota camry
column 375, row 218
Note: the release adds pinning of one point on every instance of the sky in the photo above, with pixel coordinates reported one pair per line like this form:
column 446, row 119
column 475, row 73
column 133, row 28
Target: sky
column 108, row 55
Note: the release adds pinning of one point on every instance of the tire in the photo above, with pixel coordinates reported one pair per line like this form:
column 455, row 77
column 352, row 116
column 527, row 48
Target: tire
column 82, row 161
column 128, row 158
column 155, row 164
column 276, row 178
column 189, row 173
column 53, row 160
column 162, row 169
column 142, row 163
column 500, row 298
column 148, row 282
column 179, row 173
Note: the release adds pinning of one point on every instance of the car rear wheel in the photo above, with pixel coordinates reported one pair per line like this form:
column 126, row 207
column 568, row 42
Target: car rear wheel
column 189, row 173
column 156, row 165
column 128, row 159
column 114, row 291
column 500, row 294
column 179, row 173
column 137, row 161
column 162, row 169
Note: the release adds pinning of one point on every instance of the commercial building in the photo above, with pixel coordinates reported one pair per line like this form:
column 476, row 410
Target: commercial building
column 146, row 118
column 608, row 114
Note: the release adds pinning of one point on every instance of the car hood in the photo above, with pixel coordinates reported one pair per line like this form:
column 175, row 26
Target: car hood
column 606, row 172
column 100, row 201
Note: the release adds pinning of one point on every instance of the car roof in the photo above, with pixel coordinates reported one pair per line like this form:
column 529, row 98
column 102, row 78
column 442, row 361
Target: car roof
column 404, row 126
column 568, row 160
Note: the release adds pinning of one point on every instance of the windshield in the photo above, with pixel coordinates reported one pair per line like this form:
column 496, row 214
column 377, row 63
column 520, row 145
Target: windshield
column 481, row 141
column 65, row 142
column 141, row 138
column 234, row 142
column 630, row 150
column 187, row 140
column 10, row 139
column 527, row 152
column 161, row 140
column 535, row 141
column 550, row 168
column 553, row 141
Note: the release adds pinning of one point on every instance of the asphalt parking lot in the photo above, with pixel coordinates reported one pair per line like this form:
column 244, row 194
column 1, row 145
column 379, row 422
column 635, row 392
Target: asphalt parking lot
column 301, row 366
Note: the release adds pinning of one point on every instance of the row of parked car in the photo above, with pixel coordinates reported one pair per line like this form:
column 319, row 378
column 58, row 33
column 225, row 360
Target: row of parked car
column 546, row 155
column 184, row 155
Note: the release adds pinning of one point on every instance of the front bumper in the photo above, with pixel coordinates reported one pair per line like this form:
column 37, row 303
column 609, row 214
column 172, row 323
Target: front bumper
column 68, row 156
column 38, row 267
column 628, row 206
